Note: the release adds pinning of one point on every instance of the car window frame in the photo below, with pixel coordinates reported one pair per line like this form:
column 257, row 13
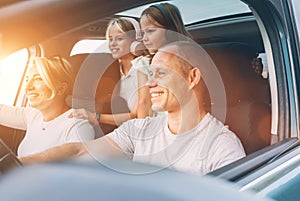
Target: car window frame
column 273, row 16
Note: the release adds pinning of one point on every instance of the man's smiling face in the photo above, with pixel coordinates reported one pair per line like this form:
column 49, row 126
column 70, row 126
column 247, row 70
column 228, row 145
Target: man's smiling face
column 168, row 84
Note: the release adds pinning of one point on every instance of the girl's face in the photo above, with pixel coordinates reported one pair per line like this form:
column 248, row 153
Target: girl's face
column 154, row 35
column 119, row 43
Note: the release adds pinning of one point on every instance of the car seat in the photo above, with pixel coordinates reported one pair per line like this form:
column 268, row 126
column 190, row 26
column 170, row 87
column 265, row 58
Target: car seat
column 247, row 93
column 95, row 86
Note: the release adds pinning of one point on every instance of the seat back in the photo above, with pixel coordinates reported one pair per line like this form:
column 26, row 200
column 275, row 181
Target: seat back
column 98, row 76
column 247, row 93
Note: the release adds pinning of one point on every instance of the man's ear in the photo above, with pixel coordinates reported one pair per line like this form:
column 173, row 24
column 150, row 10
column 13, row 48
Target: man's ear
column 194, row 77
column 62, row 88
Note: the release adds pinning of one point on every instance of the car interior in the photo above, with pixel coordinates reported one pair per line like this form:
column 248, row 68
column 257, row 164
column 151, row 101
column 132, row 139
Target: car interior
column 248, row 111
column 231, row 41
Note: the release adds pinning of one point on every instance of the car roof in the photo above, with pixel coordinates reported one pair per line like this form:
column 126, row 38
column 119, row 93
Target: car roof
column 24, row 23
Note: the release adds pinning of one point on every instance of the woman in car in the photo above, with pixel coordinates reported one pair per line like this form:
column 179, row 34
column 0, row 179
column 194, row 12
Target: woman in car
column 48, row 83
column 124, row 39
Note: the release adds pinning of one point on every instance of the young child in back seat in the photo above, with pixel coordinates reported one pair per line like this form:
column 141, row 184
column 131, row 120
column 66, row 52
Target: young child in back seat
column 124, row 36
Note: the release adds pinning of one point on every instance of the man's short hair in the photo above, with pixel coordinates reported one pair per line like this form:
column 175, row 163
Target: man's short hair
column 190, row 53
column 211, row 85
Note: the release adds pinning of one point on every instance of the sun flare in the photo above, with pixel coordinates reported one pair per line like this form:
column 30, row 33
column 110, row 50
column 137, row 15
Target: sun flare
column 11, row 71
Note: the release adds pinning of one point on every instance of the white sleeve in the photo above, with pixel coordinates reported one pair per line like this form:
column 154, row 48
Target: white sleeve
column 226, row 149
column 142, row 64
column 122, row 137
column 80, row 131
column 14, row 117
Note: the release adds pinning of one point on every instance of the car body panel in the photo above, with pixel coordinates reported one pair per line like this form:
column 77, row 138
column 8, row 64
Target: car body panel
column 73, row 180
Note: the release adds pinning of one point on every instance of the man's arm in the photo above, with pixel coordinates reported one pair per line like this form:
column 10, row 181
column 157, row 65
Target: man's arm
column 103, row 146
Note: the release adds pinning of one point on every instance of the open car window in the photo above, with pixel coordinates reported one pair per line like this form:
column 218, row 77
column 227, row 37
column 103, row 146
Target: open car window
column 11, row 73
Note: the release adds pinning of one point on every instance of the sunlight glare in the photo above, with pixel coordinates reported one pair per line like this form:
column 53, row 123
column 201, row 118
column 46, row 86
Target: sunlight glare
column 11, row 71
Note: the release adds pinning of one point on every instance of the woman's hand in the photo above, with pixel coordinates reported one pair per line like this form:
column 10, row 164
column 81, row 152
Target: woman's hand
column 84, row 114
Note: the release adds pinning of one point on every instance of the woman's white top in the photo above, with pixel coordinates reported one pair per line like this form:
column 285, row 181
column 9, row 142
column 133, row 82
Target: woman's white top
column 42, row 135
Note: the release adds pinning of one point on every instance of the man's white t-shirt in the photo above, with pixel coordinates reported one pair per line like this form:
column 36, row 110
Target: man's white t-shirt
column 42, row 135
column 208, row 146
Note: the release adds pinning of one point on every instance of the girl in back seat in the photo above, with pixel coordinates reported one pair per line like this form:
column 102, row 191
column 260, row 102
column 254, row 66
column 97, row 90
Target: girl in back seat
column 124, row 39
column 160, row 24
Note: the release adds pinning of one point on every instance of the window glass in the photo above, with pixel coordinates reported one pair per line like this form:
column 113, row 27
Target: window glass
column 296, row 4
column 90, row 46
column 195, row 10
column 11, row 71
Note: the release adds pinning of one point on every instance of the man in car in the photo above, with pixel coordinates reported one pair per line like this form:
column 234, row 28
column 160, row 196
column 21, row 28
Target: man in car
column 187, row 138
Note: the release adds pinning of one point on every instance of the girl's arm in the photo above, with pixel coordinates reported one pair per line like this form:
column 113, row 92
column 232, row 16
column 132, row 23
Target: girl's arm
column 111, row 119
column 116, row 119
column 144, row 99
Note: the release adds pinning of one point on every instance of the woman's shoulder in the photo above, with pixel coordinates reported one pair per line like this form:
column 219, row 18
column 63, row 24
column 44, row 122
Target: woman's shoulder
column 32, row 111
column 66, row 117
column 141, row 60
column 141, row 64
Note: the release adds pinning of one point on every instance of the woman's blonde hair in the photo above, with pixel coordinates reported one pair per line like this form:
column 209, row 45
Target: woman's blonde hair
column 54, row 71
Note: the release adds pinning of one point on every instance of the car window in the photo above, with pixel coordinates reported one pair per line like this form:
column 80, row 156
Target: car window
column 11, row 71
column 90, row 46
column 285, row 185
column 193, row 11
column 246, row 91
column 297, row 15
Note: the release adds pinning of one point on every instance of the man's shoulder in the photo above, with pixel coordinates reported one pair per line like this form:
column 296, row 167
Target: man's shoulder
column 223, row 141
column 226, row 138
column 218, row 125
column 147, row 120
column 215, row 129
column 144, row 124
